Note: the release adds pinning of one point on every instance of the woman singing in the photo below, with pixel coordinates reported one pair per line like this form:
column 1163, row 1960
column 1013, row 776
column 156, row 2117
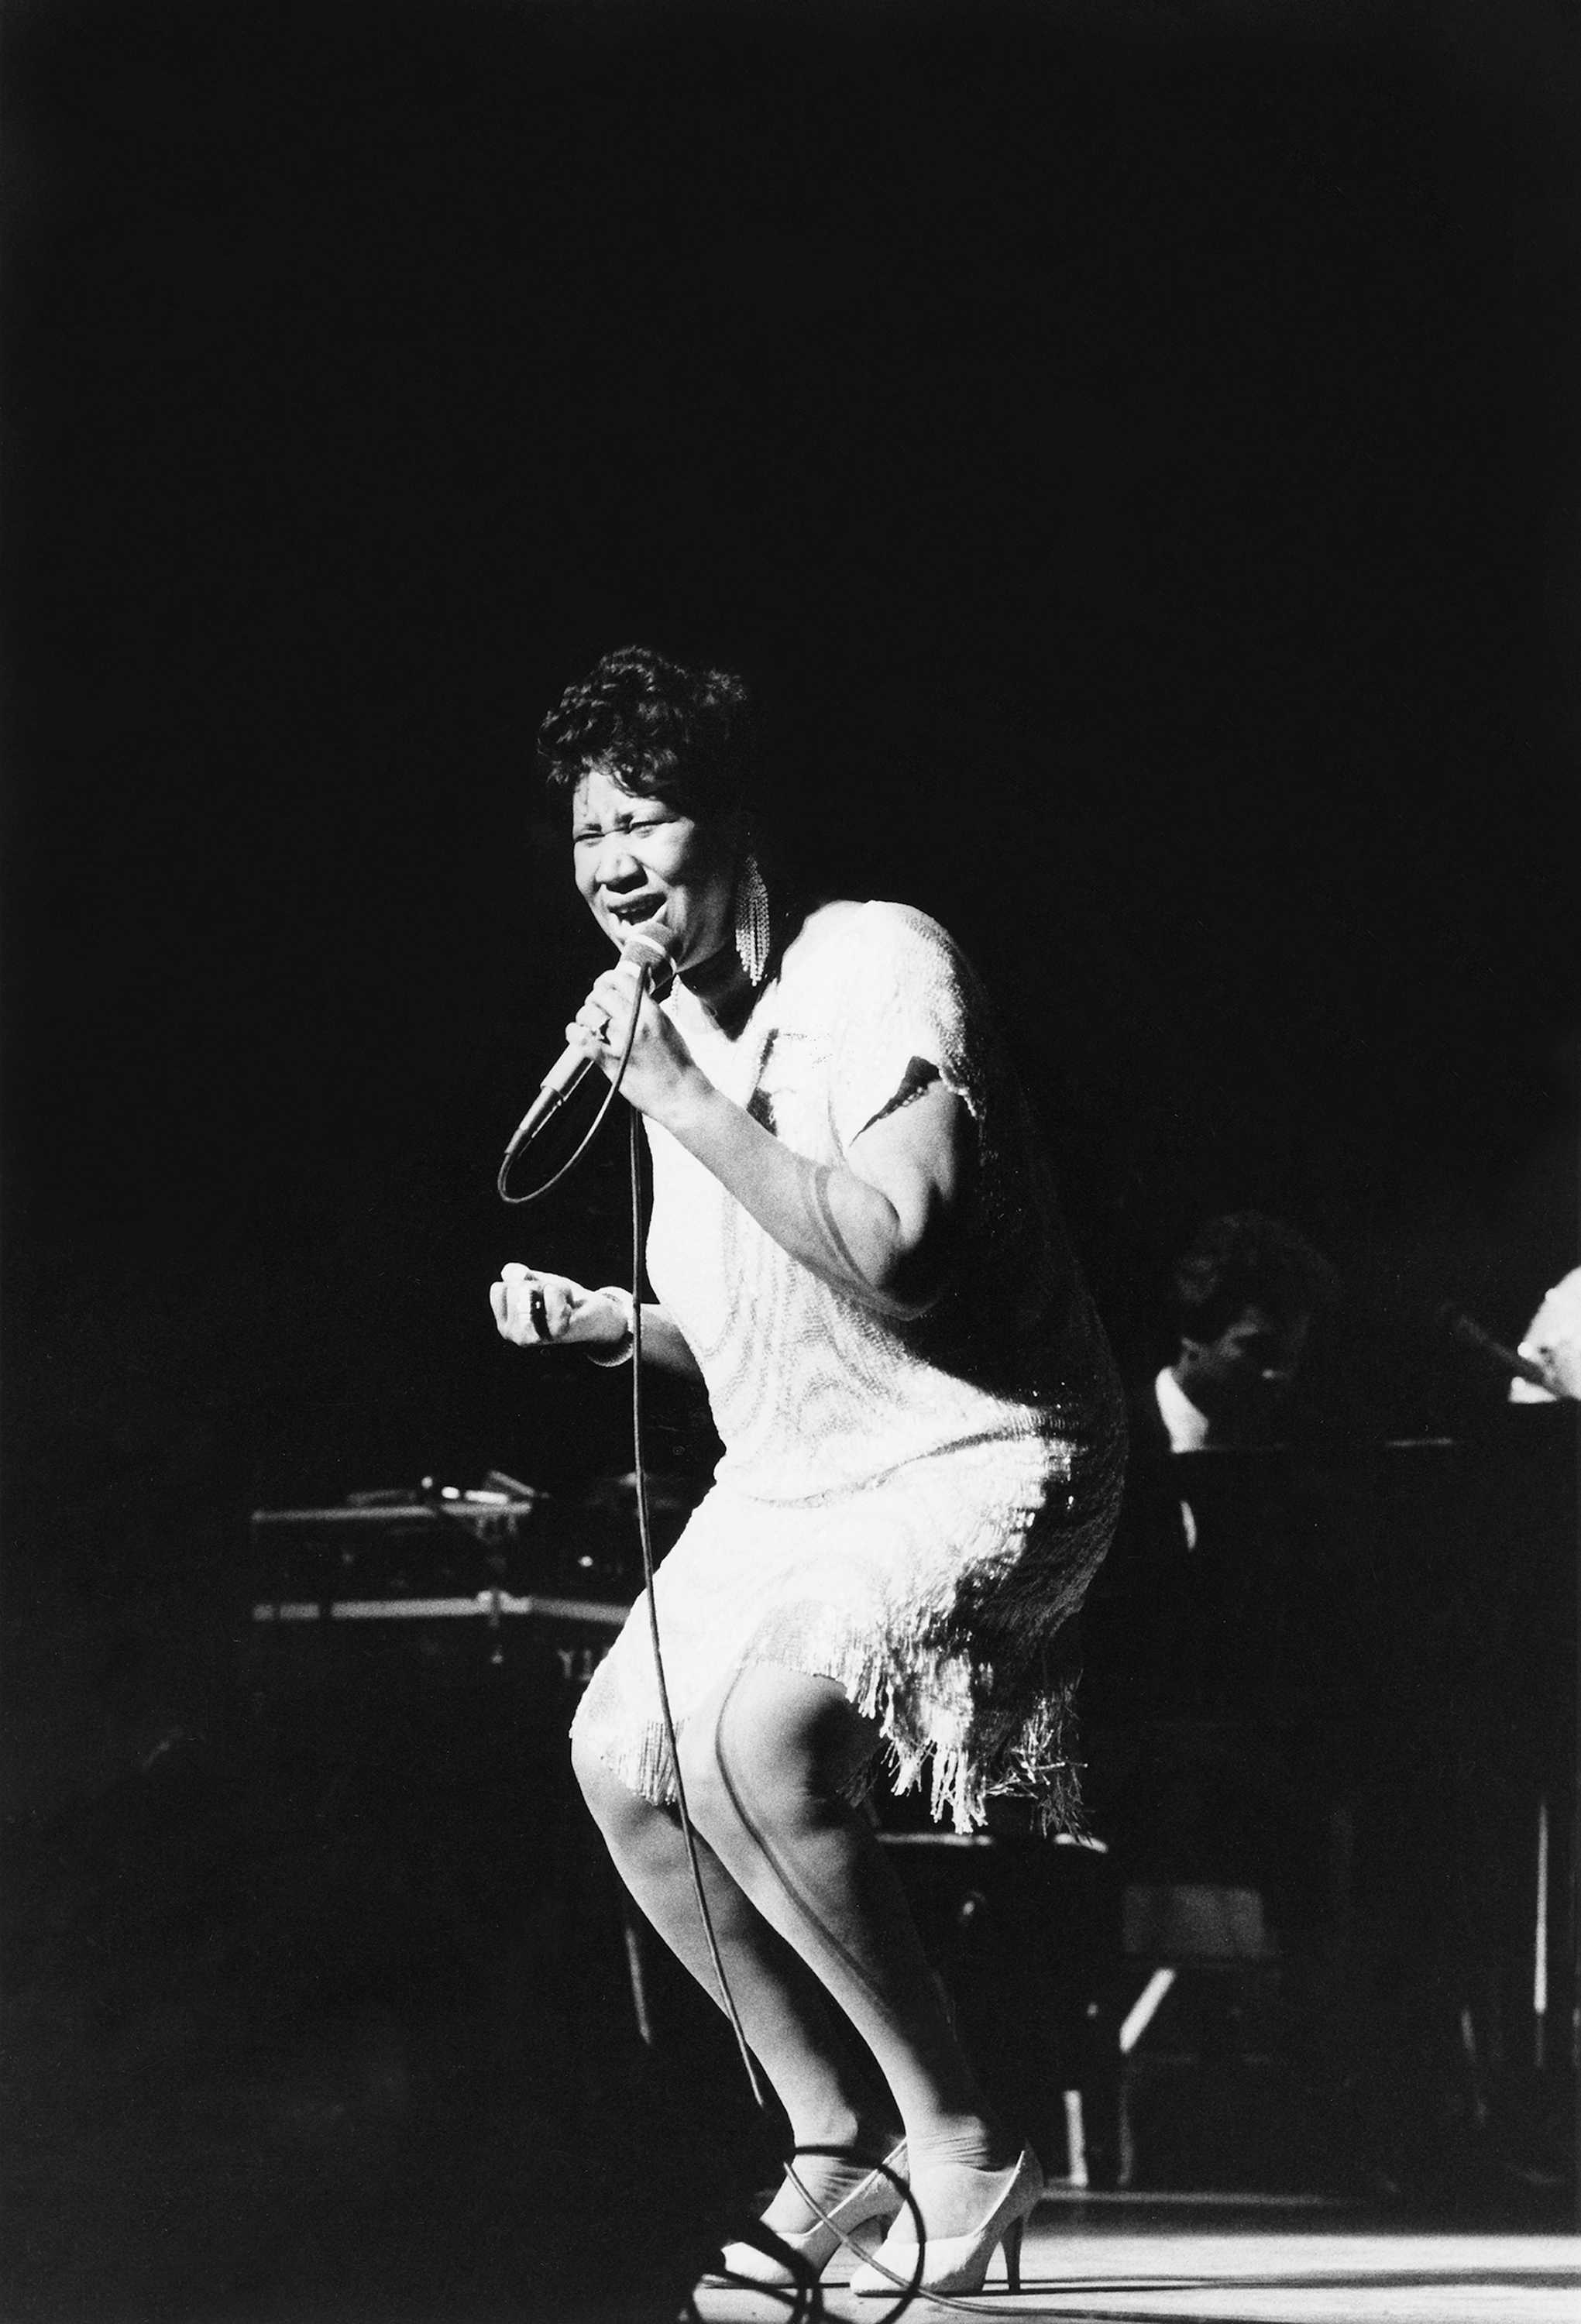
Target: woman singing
column 857, row 1250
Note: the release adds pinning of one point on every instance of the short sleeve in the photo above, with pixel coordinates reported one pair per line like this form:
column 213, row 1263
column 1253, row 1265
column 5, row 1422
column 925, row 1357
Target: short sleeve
column 908, row 994
column 1553, row 1340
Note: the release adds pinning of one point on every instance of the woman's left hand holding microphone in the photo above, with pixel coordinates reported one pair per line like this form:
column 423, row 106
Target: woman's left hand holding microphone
column 661, row 1073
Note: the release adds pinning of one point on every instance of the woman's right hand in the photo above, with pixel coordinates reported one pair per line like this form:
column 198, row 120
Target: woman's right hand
column 539, row 1310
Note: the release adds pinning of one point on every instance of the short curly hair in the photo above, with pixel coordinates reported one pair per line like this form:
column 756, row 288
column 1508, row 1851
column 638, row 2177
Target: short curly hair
column 1245, row 1260
column 661, row 730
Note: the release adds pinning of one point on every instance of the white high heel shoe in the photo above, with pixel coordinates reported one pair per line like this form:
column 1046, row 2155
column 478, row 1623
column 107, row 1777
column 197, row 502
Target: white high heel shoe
column 959, row 2262
column 873, row 2201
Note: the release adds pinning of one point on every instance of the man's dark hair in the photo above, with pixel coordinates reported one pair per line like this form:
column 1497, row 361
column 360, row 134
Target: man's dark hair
column 1244, row 1260
column 660, row 729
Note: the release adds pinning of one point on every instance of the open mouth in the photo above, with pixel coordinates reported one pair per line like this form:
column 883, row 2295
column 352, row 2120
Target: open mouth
column 632, row 915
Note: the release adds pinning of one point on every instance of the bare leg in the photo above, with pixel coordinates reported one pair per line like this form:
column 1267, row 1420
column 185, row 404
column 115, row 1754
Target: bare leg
column 766, row 1764
column 831, row 2091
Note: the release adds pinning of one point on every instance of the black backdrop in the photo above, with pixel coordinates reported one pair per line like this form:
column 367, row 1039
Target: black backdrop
column 1132, row 448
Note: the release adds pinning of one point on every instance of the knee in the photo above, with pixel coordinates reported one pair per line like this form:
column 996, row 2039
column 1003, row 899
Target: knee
column 774, row 1752
column 738, row 1781
column 704, row 1781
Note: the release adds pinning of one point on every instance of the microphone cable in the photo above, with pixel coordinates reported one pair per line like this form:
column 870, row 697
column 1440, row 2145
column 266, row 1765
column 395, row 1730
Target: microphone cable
column 808, row 2301
column 640, row 1469
column 650, row 1571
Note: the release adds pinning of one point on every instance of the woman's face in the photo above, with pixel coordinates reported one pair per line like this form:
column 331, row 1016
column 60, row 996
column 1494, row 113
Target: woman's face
column 637, row 857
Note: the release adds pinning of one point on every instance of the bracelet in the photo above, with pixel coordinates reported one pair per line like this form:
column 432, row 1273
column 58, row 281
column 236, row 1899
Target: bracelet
column 623, row 1352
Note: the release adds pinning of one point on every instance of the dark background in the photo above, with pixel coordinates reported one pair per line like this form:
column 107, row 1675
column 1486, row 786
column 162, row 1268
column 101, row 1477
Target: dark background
column 1131, row 446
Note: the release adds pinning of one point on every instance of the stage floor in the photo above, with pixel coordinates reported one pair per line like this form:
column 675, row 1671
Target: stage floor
column 1132, row 2262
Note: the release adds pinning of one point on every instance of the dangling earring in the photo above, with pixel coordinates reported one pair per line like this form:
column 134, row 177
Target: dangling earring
column 753, row 935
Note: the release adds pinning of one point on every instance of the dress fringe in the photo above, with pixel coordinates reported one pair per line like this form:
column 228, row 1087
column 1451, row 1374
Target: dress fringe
column 933, row 1726
column 967, row 1669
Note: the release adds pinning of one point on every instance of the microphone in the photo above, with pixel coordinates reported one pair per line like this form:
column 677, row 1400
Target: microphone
column 646, row 953
column 1463, row 1328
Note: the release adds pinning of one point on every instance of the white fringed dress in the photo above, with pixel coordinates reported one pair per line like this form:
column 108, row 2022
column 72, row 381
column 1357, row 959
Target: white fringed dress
column 912, row 1510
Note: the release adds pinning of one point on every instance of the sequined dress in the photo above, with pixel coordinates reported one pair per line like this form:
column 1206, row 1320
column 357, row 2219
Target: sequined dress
column 912, row 1509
